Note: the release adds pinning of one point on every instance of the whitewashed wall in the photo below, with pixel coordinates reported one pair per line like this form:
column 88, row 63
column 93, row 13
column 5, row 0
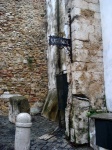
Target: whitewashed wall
column 52, row 50
column 106, row 19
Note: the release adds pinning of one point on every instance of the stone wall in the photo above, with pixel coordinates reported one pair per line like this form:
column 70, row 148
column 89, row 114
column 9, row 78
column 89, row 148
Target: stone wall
column 23, row 65
column 85, row 74
column 4, row 105
column 87, row 67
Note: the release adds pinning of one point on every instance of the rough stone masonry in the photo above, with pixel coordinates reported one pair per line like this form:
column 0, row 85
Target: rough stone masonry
column 23, row 65
column 85, row 74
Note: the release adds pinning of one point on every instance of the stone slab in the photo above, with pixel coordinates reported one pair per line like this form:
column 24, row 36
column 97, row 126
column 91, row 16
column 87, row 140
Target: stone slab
column 104, row 116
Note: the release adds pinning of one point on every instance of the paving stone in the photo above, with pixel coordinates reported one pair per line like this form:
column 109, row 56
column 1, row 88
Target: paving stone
column 53, row 139
column 40, row 127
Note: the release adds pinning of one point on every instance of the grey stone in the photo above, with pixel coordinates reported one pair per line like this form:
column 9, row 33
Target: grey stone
column 18, row 104
column 35, row 111
column 36, row 108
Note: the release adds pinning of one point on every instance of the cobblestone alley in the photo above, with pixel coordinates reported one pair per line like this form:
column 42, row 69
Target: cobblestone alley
column 41, row 127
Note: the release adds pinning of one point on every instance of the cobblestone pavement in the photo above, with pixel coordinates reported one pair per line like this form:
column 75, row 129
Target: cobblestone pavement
column 41, row 127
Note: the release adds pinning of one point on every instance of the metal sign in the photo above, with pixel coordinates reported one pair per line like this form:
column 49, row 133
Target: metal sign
column 59, row 41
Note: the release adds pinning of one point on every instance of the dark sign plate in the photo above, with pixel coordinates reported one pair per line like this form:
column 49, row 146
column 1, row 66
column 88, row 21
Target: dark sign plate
column 59, row 41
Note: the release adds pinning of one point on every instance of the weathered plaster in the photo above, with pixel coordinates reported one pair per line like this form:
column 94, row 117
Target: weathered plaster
column 52, row 50
column 106, row 17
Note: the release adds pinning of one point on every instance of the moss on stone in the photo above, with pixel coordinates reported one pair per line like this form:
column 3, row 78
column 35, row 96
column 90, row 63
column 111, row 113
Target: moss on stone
column 21, row 102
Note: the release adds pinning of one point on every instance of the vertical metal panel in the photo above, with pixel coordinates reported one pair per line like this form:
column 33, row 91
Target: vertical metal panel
column 62, row 90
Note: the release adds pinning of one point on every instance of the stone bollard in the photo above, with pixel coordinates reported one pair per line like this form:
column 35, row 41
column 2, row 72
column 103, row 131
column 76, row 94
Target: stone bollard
column 22, row 136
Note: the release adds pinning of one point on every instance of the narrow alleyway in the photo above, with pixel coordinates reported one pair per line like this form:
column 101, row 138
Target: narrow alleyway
column 41, row 127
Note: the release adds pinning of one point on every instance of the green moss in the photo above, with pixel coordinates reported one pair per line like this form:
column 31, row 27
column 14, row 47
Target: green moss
column 30, row 61
column 21, row 102
column 93, row 112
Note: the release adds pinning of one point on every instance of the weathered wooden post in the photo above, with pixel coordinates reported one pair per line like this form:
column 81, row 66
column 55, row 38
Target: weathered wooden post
column 22, row 136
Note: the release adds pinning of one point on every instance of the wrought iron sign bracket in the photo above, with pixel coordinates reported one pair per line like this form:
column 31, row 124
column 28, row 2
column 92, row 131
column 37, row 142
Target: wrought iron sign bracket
column 61, row 43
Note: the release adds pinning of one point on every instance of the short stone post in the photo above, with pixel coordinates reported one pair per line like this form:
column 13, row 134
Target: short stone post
column 22, row 136
column 17, row 104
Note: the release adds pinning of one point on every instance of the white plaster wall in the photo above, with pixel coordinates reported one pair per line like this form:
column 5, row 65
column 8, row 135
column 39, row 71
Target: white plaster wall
column 52, row 50
column 106, row 19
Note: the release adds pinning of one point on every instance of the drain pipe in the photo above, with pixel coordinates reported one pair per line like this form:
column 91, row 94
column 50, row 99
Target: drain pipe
column 58, row 56
column 58, row 30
